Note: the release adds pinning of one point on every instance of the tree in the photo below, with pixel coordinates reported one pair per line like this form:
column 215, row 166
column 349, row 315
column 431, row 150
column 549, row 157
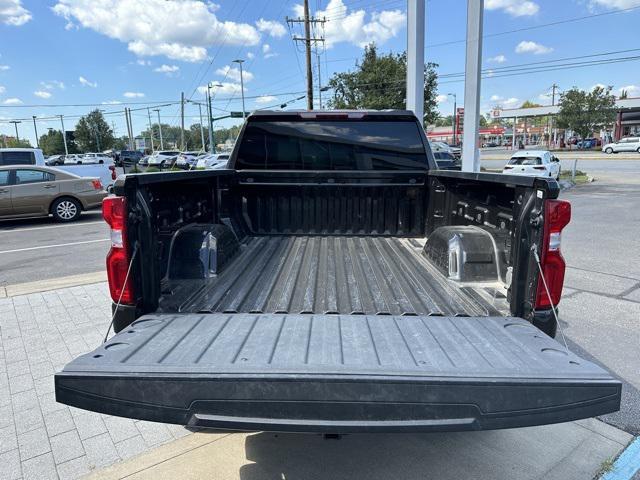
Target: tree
column 93, row 133
column 529, row 104
column 623, row 95
column 52, row 143
column 379, row 82
column 11, row 142
column 446, row 121
column 583, row 112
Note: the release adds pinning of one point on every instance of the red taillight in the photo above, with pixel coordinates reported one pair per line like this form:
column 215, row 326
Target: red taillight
column 114, row 211
column 557, row 214
column 96, row 184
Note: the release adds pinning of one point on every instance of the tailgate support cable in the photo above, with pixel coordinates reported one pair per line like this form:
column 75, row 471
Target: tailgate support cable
column 546, row 289
column 126, row 278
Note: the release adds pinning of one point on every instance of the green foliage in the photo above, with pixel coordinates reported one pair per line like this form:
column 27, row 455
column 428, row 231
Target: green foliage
column 446, row 121
column 93, row 133
column 529, row 104
column 13, row 143
column 378, row 83
column 584, row 112
column 151, row 170
column 192, row 138
column 52, row 143
column 121, row 143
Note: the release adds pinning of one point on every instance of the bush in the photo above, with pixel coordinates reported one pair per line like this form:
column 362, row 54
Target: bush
column 152, row 170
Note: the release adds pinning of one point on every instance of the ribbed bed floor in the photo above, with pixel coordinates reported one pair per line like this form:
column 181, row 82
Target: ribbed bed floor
column 331, row 275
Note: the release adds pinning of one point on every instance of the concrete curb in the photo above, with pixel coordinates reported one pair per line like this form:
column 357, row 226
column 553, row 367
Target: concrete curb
column 52, row 284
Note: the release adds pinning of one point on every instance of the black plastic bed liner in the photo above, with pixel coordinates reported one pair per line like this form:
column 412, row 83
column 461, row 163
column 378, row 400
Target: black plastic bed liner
column 331, row 275
column 337, row 374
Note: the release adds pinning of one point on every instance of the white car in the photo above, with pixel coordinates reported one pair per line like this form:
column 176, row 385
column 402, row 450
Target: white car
column 534, row 163
column 21, row 156
column 627, row 144
column 213, row 161
column 158, row 159
column 73, row 159
column 187, row 160
column 95, row 158
column 445, row 147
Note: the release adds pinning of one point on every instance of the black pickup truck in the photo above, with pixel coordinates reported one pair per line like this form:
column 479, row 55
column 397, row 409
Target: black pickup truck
column 333, row 280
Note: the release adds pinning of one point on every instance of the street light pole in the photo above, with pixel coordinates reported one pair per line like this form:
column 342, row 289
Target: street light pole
column 240, row 62
column 455, row 115
column 212, row 145
column 64, row 136
column 15, row 124
column 157, row 110
column 35, row 129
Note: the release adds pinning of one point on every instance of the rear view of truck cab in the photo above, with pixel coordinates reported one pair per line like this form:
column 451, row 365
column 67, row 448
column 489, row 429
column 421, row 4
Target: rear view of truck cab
column 333, row 280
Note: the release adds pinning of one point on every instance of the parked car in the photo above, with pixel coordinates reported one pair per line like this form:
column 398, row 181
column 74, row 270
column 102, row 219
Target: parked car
column 213, row 161
column 446, row 161
column 73, row 159
column 626, row 144
column 53, row 160
column 29, row 191
column 333, row 281
column 187, row 160
column 162, row 158
column 443, row 146
column 127, row 158
column 95, row 158
column 536, row 163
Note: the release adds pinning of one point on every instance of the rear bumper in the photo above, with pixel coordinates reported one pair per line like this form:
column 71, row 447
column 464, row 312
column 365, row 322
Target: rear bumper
column 340, row 405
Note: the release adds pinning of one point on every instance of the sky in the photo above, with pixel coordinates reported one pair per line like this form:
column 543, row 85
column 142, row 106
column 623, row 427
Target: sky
column 66, row 57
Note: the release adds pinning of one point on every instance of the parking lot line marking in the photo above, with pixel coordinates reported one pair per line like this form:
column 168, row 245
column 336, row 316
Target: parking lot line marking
column 66, row 225
column 54, row 246
column 627, row 464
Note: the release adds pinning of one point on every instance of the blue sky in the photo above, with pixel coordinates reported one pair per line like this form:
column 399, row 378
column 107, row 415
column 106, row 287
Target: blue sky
column 136, row 53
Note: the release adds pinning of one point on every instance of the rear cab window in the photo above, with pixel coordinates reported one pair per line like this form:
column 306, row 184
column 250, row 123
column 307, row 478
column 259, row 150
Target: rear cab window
column 17, row 158
column 288, row 143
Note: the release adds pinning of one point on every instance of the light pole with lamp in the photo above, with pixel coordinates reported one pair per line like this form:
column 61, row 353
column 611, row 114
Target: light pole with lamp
column 240, row 62
column 210, row 85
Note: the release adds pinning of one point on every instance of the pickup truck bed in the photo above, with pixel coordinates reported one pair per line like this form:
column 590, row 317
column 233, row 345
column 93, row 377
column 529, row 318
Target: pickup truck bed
column 329, row 275
column 335, row 373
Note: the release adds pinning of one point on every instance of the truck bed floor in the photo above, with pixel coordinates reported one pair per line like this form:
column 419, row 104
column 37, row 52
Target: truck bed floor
column 332, row 275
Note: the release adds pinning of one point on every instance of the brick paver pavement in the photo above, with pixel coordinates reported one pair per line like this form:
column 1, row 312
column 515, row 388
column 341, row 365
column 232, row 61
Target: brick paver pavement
column 40, row 438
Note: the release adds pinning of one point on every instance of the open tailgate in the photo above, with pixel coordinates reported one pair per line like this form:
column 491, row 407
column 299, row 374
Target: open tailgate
column 337, row 374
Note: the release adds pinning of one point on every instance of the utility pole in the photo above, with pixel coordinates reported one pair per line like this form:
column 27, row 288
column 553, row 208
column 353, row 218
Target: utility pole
column 455, row 115
column 212, row 144
column 15, row 124
column 182, row 121
column 201, row 127
column 554, row 87
column 319, row 80
column 150, row 129
column 240, row 62
column 129, row 129
column 157, row 110
column 307, row 40
column 35, row 129
column 64, row 136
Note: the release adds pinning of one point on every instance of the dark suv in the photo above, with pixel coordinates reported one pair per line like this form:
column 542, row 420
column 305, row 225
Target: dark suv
column 127, row 157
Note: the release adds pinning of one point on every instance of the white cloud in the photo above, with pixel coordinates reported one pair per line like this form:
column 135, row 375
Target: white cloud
column 504, row 102
column 112, row 102
column 516, row 8
column 250, row 55
column 133, row 94
column 271, row 27
column 441, row 98
column 497, row 59
column 532, row 47
column 42, row 94
column 4, row 68
column 227, row 88
column 266, row 99
column 52, row 85
column 13, row 13
column 143, row 63
column 12, row 101
column 233, row 73
column 167, row 69
column 615, row 4
column 353, row 27
column 266, row 48
column 86, row 83
column 2, row 89
column 632, row 90
column 177, row 29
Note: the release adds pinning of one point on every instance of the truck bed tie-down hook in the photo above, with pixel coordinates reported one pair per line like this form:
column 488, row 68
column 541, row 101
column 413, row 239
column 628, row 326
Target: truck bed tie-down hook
column 126, row 278
column 546, row 289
